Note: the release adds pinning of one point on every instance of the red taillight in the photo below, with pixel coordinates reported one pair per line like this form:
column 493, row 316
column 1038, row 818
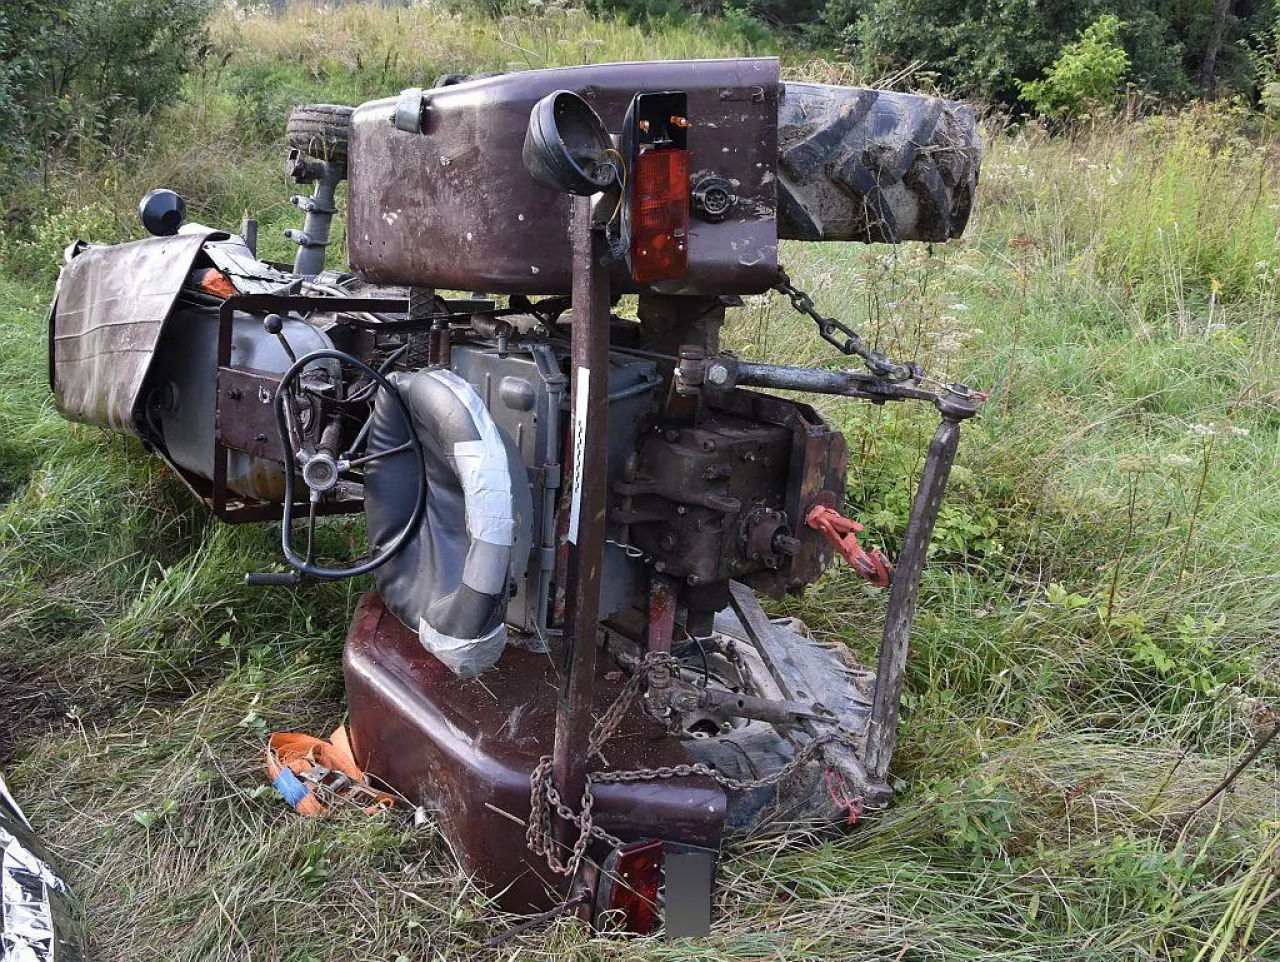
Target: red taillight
column 633, row 875
column 660, row 215
column 655, row 140
column 213, row 281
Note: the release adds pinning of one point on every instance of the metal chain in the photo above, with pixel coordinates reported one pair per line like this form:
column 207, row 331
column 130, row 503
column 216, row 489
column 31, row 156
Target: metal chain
column 842, row 337
column 545, row 798
column 847, row 341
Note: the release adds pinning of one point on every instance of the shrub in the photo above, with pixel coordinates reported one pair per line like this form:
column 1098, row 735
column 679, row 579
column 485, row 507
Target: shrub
column 36, row 253
column 82, row 69
column 1085, row 76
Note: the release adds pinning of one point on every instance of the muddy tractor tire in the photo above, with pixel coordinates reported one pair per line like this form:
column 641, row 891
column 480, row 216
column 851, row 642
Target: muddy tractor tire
column 453, row 79
column 320, row 131
column 874, row 166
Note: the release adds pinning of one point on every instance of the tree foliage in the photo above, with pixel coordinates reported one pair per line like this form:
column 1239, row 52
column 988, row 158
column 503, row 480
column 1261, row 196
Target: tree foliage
column 1086, row 75
column 990, row 49
column 77, row 69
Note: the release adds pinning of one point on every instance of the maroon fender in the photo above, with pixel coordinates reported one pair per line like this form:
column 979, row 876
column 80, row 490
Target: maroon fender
column 454, row 207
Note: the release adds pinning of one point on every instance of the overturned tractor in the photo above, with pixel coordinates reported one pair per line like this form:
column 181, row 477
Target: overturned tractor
column 569, row 513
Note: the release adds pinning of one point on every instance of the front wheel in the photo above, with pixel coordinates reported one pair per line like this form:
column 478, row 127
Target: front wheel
column 321, row 131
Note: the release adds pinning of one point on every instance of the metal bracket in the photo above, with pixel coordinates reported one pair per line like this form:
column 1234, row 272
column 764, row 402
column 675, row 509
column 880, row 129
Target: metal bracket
column 245, row 416
column 409, row 110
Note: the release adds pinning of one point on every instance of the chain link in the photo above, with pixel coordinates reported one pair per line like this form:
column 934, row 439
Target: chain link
column 842, row 337
column 847, row 341
column 545, row 799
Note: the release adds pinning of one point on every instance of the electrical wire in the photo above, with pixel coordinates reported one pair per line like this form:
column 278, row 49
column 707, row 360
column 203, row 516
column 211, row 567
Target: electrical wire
column 622, row 177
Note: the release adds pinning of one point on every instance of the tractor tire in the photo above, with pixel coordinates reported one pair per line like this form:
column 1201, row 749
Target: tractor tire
column 453, row 79
column 874, row 165
column 320, row 131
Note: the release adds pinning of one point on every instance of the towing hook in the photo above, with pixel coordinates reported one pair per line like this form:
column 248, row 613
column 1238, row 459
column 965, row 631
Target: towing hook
column 843, row 532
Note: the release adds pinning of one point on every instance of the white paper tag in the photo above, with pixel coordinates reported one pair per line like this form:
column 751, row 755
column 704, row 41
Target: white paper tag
column 581, row 389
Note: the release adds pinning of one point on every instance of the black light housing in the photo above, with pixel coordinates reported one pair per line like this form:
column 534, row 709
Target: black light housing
column 162, row 211
column 565, row 146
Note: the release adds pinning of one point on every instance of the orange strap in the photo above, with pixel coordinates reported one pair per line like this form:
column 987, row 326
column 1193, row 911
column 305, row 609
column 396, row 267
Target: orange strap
column 842, row 533
column 310, row 773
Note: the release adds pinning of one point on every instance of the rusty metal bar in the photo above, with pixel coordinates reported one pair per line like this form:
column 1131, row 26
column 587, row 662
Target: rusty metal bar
column 882, row 732
column 586, row 529
column 662, row 612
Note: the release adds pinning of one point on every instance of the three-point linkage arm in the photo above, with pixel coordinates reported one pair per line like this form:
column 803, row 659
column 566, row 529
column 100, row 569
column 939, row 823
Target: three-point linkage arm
column 956, row 403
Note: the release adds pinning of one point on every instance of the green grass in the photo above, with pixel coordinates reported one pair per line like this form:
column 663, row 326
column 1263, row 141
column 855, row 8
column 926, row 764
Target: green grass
column 1096, row 643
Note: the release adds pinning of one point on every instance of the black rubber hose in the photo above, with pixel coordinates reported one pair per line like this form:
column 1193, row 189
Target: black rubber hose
column 286, row 521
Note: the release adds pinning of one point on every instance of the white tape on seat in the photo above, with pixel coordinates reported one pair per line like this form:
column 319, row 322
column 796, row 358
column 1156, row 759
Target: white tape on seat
column 465, row 657
column 482, row 469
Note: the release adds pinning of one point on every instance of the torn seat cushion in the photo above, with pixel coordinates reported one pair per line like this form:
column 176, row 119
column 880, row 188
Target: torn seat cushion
column 452, row 579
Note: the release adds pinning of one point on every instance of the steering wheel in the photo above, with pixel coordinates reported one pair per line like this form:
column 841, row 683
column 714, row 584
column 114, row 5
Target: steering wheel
column 323, row 467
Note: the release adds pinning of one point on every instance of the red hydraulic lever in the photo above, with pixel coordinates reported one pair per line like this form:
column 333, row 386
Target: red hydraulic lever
column 843, row 532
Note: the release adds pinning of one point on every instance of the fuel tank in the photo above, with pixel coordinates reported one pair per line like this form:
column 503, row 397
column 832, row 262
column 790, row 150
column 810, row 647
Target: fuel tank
column 181, row 391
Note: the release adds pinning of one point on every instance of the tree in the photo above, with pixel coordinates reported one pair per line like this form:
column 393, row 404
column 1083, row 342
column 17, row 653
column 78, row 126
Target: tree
column 74, row 68
column 1086, row 74
column 1222, row 11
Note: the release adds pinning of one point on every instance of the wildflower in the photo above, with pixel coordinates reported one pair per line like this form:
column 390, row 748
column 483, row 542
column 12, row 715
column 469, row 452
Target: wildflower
column 1203, row 430
column 1135, row 464
column 1179, row 461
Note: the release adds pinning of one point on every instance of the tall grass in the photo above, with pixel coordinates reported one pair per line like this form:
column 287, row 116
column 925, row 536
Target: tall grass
column 1096, row 643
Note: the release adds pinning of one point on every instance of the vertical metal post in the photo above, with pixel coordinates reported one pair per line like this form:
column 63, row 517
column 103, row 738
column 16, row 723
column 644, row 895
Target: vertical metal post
column 663, row 597
column 586, row 531
column 314, row 237
column 882, row 730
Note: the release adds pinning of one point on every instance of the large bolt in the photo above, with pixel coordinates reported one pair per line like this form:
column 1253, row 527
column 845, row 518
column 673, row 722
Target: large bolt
column 718, row 375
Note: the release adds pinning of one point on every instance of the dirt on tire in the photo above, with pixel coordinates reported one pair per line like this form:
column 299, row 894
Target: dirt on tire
column 875, row 166
column 321, row 131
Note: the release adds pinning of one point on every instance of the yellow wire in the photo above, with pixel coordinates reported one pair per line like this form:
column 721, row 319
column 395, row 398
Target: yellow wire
column 622, row 173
